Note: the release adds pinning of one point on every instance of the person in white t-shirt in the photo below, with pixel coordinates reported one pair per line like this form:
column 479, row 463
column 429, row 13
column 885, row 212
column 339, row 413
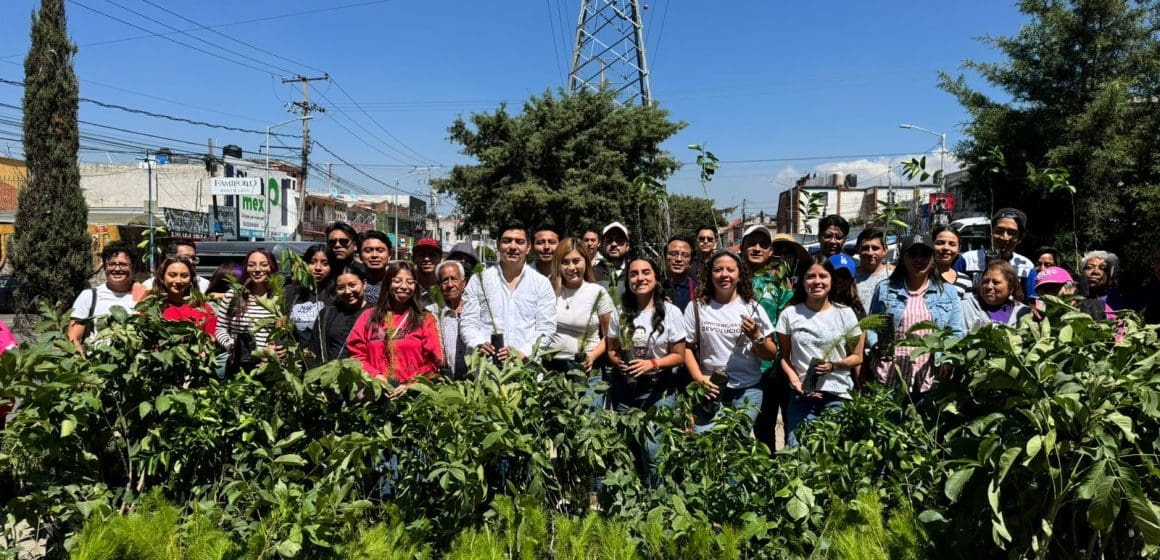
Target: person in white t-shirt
column 729, row 334
column 583, row 312
column 821, row 345
column 645, row 350
column 118, row 260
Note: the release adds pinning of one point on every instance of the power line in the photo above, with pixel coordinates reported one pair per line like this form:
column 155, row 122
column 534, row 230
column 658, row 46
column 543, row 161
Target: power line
column 238, row 41
column 418, row 156
column 363, row 140
column 555, row 40
column 171, row 39
column 231, row 24
column 163, row 116
column 364, row 173
column 195, row 37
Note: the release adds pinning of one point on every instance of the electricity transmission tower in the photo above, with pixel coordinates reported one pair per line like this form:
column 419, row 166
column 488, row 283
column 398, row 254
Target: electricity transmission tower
column 609, row 50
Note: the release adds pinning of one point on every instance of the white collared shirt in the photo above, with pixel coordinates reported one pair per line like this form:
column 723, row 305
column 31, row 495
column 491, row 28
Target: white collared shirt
column 523, row 314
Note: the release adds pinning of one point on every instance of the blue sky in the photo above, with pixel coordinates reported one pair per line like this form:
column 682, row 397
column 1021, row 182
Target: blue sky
column 756, row 80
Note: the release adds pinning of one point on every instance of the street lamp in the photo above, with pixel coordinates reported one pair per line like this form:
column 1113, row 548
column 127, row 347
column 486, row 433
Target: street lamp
column 942, row 150
column 266, row 181
column 396, row 204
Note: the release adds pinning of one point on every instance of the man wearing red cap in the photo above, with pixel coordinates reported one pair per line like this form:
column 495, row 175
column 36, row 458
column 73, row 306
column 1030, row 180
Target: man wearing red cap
column 426, row 255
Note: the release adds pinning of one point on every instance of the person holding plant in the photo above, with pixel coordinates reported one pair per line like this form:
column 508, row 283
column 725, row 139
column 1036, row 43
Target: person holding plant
column 397, row 341
column 510, row 308
column 646, row 341
column 175, row 285
column 821, row 346
column 583, row 311
column 773, row 288
column 118, row 259
column 244, row 324
column 729, row 334
column 334, row 323
column 946, row 253
column 915, row 293
column 997, row 300
column 452, row 279
column 308, row 300
column 646, row 345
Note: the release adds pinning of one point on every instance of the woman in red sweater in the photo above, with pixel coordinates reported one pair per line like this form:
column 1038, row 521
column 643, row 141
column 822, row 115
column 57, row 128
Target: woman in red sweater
column 397, row 341
column 173, row 283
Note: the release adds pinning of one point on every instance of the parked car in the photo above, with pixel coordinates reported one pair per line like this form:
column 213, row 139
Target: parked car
column 8, row 286
column 211, row 254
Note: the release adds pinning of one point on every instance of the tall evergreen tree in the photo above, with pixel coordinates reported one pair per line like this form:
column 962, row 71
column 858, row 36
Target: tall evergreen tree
column 52, row 253
column 1082, row 82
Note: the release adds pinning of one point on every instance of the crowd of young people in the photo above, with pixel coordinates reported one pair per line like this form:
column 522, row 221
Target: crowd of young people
column 770, row 330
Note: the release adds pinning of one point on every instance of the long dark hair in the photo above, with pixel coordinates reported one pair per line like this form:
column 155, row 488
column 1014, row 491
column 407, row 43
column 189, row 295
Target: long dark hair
column 220, row 282
column 628, row 299
column 383, row 306
column 238, row 305
column 849, row 298
column 706, row 290
column 326, row 285
column 899, row 273
column 159, row 287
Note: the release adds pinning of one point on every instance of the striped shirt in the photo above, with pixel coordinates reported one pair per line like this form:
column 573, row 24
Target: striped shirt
column 251, row 316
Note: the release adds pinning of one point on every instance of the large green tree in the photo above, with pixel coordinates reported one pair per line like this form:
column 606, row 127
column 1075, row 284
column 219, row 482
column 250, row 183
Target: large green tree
column 1081, row 88
column 568, row 159
column 690, row 213
column 52, row 252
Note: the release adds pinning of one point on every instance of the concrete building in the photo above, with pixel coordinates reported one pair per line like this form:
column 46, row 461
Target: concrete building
column 858, row 205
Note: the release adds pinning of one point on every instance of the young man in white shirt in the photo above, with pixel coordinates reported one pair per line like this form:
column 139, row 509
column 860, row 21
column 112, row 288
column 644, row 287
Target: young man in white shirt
column 509, row 301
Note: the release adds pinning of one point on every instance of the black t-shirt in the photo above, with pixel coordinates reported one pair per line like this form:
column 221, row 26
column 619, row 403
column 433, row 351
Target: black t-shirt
column 331, row 331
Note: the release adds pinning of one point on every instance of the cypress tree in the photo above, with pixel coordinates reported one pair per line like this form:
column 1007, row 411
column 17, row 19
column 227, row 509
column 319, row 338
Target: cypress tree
column 52, row 252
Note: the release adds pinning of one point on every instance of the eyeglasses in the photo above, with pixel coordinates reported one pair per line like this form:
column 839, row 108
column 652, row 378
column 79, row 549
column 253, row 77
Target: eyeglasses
column 833, row 237
column 118, row 265
column 706, row 240
column 340, row 241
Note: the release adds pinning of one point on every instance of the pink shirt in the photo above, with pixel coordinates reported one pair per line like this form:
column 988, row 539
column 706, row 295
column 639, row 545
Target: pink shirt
column 914, row 313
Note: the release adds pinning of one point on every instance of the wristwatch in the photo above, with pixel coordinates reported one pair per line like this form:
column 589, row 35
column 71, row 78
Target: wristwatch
column 759, row 340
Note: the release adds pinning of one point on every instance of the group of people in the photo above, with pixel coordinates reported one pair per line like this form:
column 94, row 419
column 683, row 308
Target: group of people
column 770, row 329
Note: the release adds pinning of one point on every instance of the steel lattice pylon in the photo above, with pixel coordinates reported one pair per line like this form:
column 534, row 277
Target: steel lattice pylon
column 609, row 50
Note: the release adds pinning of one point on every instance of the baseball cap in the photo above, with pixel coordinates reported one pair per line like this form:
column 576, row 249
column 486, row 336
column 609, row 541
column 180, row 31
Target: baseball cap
column 756, row 229
column 612, row 226
column 841, row 261
column 463, row 249
column 427, row 243
column 916, row 240
column 1053, row 275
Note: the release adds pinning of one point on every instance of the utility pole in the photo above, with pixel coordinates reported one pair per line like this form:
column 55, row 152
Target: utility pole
column 306, row 107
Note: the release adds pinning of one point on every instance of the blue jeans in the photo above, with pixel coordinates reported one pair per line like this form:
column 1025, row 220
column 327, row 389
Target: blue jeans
column 747, row 399
column 802, row 409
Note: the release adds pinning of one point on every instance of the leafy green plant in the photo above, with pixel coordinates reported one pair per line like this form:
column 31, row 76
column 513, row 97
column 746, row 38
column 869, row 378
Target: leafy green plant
column 1051, row 437
column 708, row 163
column 860, row 530
column 810, row 209
column 156, row 531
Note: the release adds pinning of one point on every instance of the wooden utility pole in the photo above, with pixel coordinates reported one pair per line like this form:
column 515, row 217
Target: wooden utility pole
column 306, row 107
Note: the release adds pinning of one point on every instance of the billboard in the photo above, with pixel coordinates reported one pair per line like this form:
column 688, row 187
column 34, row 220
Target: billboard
column 270, row 215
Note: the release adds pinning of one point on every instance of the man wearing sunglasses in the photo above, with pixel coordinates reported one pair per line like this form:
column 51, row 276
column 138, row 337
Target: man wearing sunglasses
column 182, row 249
column 342, row 240
column 706, row 246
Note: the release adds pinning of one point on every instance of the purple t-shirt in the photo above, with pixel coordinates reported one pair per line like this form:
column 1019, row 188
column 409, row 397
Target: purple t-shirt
column 1001, row 314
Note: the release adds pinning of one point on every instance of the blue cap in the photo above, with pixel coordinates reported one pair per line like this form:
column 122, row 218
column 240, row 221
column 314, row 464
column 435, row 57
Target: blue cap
column 841, row 261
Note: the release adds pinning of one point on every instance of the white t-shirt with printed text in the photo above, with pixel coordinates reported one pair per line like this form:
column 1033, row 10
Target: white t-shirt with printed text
column 657, row 342
column 722, row 343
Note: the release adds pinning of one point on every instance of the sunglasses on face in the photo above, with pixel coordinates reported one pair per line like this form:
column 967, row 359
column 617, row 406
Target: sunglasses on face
column 706, row 239
column 340, row 241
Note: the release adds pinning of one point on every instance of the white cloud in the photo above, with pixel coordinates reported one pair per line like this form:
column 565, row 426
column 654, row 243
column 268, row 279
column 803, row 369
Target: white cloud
column 870, row 172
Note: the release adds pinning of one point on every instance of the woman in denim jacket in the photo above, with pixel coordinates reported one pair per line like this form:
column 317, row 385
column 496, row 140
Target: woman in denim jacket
column 915, row 293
